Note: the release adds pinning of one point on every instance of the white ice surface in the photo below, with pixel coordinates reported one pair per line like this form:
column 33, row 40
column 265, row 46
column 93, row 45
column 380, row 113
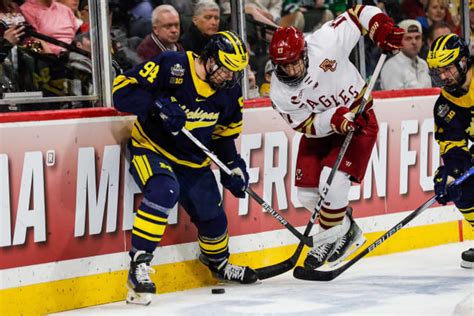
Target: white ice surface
column 422, row 282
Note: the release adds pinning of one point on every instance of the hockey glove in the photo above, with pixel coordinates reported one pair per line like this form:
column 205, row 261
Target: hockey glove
column 385, row 34
column 172, row 114
column 445, row 193
column 239, row 180
column 342, row 121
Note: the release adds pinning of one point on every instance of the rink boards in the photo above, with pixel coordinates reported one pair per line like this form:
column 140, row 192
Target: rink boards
column 67, row 201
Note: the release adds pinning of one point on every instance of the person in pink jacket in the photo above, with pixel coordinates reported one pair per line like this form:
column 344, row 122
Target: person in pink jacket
column 53, row 19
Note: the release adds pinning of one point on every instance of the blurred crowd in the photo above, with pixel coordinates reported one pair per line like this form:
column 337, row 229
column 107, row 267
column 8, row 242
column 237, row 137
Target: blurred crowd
column 46, row 44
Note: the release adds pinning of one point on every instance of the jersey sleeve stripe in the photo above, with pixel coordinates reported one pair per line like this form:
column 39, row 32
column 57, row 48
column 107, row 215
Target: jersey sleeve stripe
column 447, row 145
column 227, row 131
column 307, row 126
column 122, row 81
column 354, row 15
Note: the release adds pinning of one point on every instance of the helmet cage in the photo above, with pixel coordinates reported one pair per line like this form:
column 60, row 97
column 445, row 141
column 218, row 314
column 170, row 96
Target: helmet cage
column 459, row 77
column 215, row 76
column 283, row 76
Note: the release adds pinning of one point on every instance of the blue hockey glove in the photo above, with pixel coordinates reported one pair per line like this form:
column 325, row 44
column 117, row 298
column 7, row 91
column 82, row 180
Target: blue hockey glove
column 444, row 192
column 172, row 114
column 239, row 180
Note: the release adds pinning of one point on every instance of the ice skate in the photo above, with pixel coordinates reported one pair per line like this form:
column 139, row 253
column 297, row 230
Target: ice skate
column 468, row 259
column 326, row 242
column 348, row 243
column 317, row 256
column 140, row 287
column 228, row 272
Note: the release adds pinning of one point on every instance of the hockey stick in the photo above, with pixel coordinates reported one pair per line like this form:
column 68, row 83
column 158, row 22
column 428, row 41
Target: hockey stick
column 304, row 239
column 315, row 275
column 288, row 264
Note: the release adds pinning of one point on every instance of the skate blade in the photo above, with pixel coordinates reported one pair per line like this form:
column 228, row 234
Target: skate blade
column 467, row 265
column 360, row 241
column 139, row 298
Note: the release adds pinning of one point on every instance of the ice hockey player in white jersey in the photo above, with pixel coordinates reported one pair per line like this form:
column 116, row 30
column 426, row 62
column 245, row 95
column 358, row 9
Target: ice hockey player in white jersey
column 317, row 90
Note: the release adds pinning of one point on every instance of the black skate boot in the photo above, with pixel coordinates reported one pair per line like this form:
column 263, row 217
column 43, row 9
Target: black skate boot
column 229, row 272
column 141, row 287
column 468, row 259
column 317, row 256
column 349, row 243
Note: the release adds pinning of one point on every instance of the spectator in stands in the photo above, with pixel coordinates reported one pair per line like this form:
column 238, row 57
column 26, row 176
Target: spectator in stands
column 406, row 70
column 206, row 18
column 436, row 30
column 315, row 15
column 74, row 6
column 81, row 65
column 80, row 61
column 413, row 8
column 53, row 19
column 253, row 88
column 165, row 33
column 84, row 12
column 12, row 29
column 138, row 16
column 435, row 11
column 257, row 13
column 292, row 14
column 265, row 87
column 184, row 7
column 271, row 9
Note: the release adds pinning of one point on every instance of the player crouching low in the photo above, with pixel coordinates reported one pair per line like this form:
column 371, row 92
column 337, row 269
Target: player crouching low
column 169, row 92
column 317, row 90
column 451, row 68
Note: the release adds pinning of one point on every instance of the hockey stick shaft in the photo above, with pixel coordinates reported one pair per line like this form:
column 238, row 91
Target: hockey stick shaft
column 282, row 267
column 305, row 239
column 315, row 275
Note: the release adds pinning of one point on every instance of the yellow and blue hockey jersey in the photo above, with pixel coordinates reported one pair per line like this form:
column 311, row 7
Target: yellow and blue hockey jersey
column 454, row 128
column 212, row 115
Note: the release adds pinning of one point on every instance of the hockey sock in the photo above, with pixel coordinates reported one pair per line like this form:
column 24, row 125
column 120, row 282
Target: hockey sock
column 214, row 239
column 329, row 218
column 160, row 195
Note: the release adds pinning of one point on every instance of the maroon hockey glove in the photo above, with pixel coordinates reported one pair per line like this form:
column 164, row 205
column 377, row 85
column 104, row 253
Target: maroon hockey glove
column 384, row 33
column 342, row 121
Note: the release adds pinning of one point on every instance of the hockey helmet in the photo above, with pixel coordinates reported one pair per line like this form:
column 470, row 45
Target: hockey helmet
column 288, row 46
column 447, row 52
column 227, row 50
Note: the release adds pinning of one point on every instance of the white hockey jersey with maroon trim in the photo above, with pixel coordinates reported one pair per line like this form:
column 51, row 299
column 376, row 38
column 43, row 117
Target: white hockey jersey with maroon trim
column 332, row 80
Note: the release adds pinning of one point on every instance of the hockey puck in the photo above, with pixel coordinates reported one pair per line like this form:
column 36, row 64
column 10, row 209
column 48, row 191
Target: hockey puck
column 218, row 291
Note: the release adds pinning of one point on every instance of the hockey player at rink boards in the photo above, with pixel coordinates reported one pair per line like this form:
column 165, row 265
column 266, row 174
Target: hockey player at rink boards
column 202, row 94
column 450, row 66
column 317, row 90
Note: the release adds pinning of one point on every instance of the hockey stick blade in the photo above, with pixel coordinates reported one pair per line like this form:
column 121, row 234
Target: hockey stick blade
column 281, row 267
column 315, row 275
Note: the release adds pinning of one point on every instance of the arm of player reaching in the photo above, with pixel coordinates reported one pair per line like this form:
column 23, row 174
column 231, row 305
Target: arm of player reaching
column 371, row 20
